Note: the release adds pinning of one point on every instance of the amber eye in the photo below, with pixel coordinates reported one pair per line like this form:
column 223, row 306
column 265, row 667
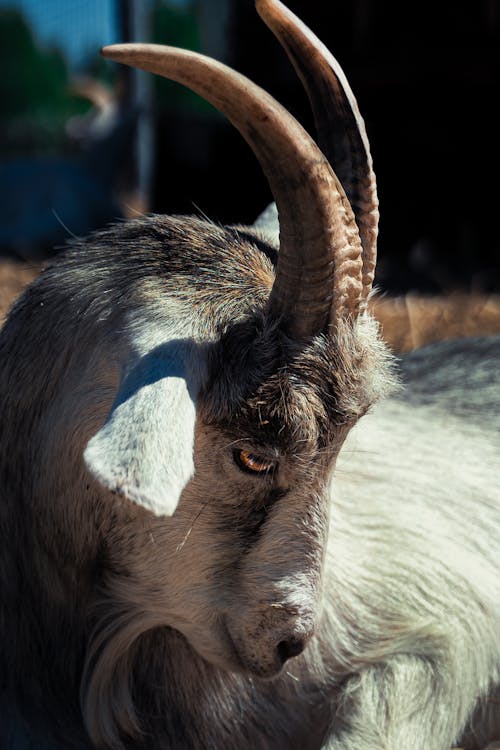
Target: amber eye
column 253, row 463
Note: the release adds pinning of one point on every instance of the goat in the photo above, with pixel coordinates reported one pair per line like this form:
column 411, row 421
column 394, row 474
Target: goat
column 181, row 567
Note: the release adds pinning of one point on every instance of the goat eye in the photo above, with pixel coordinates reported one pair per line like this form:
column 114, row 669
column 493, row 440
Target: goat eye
column 252, row 463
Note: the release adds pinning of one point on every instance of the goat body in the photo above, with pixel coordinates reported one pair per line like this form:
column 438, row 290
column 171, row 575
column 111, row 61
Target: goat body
column 207, row 540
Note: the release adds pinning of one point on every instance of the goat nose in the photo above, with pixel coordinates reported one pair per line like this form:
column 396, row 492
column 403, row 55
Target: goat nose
column 291, row 647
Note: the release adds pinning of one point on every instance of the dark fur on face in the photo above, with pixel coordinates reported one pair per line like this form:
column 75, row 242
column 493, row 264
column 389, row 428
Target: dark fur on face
column 282, row 392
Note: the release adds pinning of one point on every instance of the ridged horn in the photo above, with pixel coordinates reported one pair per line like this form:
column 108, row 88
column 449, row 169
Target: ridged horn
column 340, row 127
column 318, row 278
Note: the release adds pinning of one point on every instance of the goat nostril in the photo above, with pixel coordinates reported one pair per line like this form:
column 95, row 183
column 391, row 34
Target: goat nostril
column 292, row 647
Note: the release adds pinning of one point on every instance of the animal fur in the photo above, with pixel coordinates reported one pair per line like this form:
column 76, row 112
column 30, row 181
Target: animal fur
column 224, row 523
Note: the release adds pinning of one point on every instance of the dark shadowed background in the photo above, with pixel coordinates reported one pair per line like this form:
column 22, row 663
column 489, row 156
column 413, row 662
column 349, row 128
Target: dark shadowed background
column 82, row 143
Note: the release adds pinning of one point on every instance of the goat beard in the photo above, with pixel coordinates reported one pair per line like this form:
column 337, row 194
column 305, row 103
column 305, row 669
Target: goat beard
column 106, row 691
column 133, row 667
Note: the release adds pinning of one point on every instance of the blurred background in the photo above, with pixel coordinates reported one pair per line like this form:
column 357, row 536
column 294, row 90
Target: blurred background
column 84, row 142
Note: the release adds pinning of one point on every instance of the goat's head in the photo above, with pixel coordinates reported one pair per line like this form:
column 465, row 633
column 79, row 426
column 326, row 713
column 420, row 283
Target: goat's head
column 227, row 422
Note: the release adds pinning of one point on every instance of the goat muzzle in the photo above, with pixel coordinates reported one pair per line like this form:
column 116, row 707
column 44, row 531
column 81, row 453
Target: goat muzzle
column 263, row 646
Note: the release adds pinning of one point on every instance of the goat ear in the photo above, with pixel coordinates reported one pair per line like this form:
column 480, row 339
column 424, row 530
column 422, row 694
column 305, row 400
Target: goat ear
column 267, row 223
column 144, row 451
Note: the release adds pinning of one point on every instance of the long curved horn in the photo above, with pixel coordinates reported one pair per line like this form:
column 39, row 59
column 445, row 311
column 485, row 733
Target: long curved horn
column 318, row 278
column 340, row 127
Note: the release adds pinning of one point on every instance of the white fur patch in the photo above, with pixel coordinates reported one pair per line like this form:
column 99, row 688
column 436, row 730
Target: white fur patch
column 144, row 451
column 267, row 224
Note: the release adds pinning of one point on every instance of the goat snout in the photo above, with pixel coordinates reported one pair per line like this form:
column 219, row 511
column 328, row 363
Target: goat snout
column 263, row 647
column 291, row 647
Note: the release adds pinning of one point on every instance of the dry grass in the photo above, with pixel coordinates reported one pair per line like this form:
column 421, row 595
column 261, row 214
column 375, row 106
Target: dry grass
column 407, row 322
column 14, row 277
column 412, row 321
